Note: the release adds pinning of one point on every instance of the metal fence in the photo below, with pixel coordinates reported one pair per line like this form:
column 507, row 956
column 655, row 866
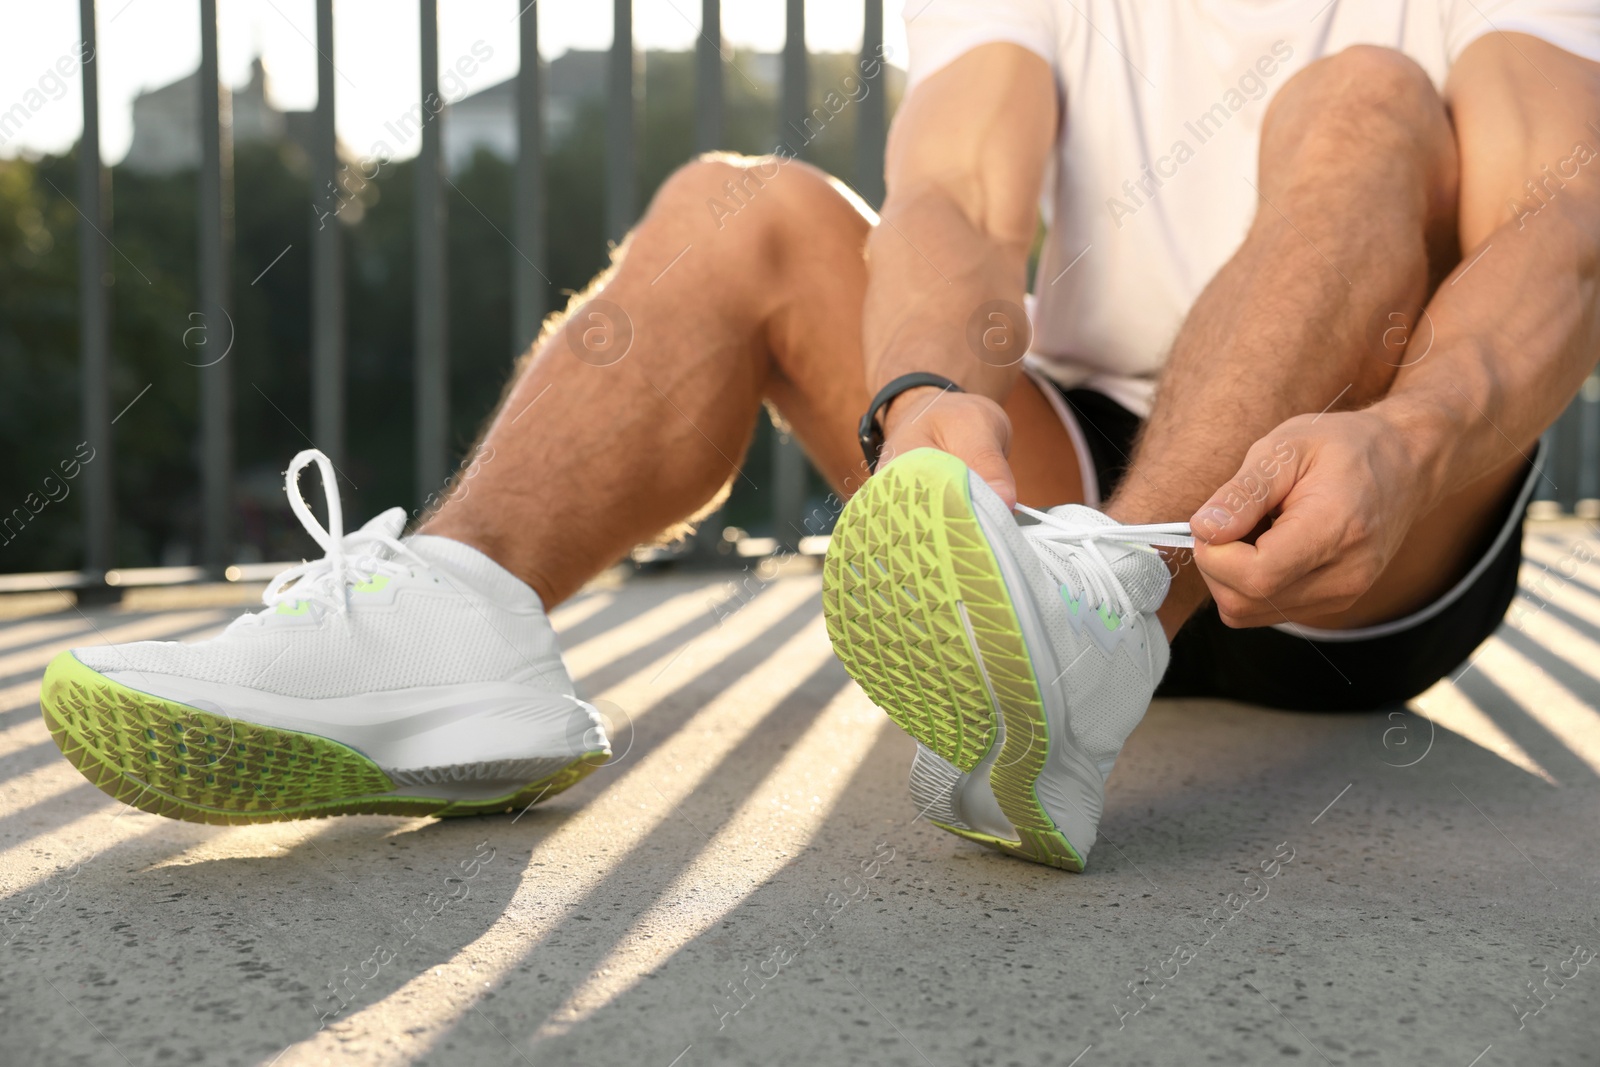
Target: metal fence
column 530, row 300
column 1574, row 483
column 1572, row 476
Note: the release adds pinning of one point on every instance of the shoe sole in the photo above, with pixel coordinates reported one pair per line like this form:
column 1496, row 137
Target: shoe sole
column 185, row 763
column 919, row 613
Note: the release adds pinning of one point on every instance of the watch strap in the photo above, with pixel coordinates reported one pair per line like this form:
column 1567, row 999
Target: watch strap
column 870, row 432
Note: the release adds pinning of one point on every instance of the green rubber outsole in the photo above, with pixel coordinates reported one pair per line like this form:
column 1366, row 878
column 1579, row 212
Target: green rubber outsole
column 174, row 760
column 919, row 614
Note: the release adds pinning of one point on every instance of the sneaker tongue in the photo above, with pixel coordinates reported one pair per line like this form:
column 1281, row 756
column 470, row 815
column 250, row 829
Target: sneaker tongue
column 1140, row 569
column 388, row 523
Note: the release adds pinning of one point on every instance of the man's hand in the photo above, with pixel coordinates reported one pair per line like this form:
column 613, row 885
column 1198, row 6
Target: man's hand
column 1341, row 493
column 1516, row 326
column 969, row 426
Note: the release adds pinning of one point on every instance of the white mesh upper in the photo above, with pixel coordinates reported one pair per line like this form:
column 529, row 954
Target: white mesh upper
column 1108, row 700
column 1140, row 571
column 456, row 617
column 1111, row 676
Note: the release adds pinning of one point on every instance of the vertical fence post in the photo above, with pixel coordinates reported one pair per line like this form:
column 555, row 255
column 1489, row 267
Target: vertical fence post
column 788, row 461
column 529, row 300
column 327, row 258
column 708, row 78
column 432, row 336
column 1542, row 490
column 1589, row 446
column 708, row 96
column 872, row 119
column 94, row 196
column 1567, row 459
column 796, row 86
column 621, row 192
column 215, row 261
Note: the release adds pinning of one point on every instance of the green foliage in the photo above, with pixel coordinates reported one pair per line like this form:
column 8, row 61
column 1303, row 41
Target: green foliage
column 155, row 343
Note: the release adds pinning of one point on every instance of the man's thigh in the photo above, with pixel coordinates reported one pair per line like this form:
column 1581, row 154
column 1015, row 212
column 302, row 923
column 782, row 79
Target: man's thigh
column 1043, row 456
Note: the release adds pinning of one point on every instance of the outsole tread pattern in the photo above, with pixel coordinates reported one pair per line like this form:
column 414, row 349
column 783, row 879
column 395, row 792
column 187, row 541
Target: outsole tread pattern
column 198, row 766
column 908, row 571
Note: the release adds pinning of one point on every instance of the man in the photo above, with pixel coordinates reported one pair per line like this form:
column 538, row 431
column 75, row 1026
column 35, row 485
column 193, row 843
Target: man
column 1317, row 276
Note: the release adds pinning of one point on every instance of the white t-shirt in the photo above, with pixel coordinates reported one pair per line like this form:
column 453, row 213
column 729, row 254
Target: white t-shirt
column 1151, row 187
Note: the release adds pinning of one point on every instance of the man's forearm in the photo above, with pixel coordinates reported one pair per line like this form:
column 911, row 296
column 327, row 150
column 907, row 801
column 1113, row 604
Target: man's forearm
column 931, row 273
column 964, row 165
column 1504, row 344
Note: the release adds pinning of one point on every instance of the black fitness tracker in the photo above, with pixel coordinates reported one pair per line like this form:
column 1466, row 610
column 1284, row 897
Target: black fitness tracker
column 870, row 433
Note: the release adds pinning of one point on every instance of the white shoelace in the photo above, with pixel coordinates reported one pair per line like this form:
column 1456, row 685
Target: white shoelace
column 349, row 559
column 1072, row 557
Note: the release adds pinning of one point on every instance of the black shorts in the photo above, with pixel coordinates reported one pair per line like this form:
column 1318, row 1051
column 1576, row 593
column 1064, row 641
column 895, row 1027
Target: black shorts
column 1301, row 669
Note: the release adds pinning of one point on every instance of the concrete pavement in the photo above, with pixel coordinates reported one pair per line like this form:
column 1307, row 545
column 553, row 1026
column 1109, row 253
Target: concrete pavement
column 747, row 883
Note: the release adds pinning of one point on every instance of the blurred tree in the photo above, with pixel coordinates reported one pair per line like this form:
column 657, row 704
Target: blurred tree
column 38, row 339
column 154, row 295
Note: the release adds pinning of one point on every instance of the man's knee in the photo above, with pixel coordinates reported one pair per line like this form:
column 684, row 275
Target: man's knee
column 718, row 186
column 1365, row 93
column 752, row 195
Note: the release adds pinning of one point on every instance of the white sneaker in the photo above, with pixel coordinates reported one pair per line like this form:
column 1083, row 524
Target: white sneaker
column 413, row 677
column 1019, row 656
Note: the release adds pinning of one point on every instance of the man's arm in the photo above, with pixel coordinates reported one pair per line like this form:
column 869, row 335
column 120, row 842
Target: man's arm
column 965, row 163
column 1513, row 330
column 1518, row 324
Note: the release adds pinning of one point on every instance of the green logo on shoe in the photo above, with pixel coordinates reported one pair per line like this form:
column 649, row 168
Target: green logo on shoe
column 1110, row 619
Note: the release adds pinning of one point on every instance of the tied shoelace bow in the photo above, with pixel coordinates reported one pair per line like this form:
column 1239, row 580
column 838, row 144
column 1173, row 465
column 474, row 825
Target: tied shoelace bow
column 348, row 558
column 1072, row 555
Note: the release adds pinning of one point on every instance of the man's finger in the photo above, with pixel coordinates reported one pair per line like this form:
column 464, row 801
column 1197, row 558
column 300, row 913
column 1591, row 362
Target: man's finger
column 990, row 465
column 1326, row 590
column 1304, row 538
column 1265, row 478
column 1307, row 536
column 978, row 434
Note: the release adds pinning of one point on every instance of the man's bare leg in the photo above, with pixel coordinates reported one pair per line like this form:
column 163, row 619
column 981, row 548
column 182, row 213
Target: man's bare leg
column 591, row 456
column 1358, row 187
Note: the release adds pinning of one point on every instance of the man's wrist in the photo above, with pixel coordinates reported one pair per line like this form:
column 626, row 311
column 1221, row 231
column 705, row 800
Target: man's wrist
column 1432, row 430
column 908, row 405
column 872, row 430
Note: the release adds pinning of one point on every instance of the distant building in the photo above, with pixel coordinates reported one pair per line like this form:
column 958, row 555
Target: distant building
column 166, row 123
column 488, row 118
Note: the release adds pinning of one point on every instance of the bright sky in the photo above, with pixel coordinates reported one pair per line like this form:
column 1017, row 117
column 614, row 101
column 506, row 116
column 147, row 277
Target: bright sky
column 149, row 43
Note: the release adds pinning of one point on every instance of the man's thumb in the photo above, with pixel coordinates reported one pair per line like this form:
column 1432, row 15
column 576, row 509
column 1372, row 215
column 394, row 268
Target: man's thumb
column 990, row 464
